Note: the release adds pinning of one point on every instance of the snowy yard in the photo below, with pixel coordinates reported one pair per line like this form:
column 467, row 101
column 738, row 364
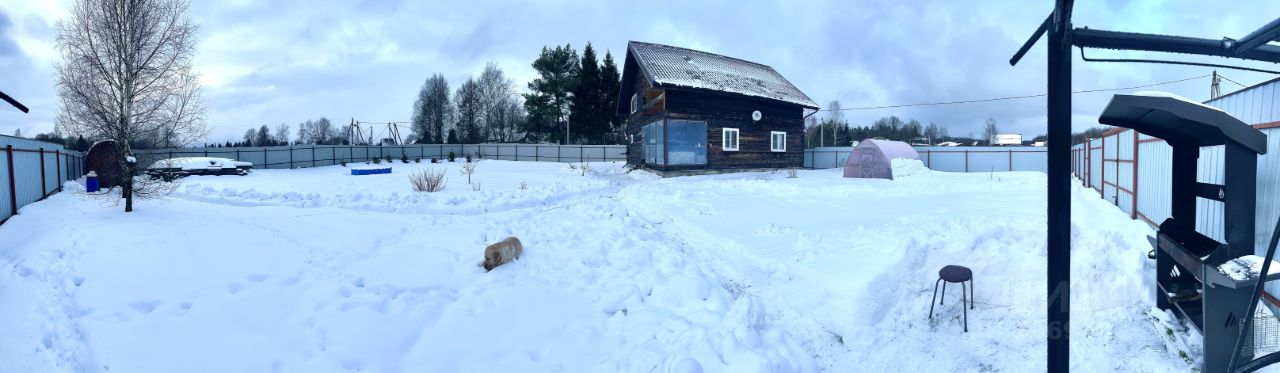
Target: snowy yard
column 317, row 270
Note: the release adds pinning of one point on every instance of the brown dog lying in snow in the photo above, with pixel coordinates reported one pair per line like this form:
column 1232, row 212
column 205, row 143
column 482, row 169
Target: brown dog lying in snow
column 502, row 252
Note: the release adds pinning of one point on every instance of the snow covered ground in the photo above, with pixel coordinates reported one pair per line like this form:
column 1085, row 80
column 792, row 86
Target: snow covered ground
column 318, row 270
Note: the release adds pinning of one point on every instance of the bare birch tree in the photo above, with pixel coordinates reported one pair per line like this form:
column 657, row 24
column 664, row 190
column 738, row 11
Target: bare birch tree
column 126, row 76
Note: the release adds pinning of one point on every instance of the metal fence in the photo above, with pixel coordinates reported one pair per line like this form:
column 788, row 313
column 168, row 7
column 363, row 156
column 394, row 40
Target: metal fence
column 33, row 170
column 297, row 156
column 947, row 158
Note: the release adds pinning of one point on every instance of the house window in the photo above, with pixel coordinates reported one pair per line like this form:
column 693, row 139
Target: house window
column 635, row 102
column 730, row 139
column 778, row 141
column 686, row 142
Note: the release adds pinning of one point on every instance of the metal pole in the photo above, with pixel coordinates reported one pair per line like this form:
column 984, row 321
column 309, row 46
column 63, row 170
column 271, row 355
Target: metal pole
column 44, row 191
column 1133, row 211
column 57, row 161
column 1058, row 242
column 1103, row 166
column 13, row 190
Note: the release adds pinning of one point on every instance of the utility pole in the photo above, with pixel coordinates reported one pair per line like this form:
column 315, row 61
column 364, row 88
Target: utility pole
column 1214, row 89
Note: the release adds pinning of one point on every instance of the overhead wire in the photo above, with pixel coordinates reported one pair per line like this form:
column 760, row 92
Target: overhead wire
column 993, row 99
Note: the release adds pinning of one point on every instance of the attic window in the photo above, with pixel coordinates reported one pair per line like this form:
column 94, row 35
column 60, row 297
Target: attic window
column 635, row 102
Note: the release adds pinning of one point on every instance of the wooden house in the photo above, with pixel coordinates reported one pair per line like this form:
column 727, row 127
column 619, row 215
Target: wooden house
column 692, row 112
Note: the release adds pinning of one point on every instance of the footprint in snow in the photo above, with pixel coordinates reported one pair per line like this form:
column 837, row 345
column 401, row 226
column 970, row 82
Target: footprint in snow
column 144, row 307
column 257, row 277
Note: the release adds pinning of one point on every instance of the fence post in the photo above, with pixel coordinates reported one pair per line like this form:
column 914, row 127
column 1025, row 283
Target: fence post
column 13, row 190
column 1010, row 159
column 1133, row 212
column 966, row 160
column 43, row 188
column 1103, row 188
column 264, row 158
column 313, row 156
column 57, row 161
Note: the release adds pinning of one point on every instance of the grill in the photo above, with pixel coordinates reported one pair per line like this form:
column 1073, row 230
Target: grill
column 1213, row 285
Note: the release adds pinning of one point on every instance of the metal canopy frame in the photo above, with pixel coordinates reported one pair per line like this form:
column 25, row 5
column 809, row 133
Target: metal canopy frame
column 13, row 102
column 1061, row 37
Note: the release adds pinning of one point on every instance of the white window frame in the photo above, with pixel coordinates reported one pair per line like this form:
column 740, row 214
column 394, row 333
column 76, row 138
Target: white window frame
column 773, row 134
column 635, row 102
column 724, row 139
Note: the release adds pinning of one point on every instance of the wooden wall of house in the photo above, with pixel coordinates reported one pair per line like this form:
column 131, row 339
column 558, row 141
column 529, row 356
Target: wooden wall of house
column 734, row 111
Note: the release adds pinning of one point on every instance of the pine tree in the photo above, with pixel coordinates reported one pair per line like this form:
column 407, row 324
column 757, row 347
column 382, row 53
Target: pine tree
column 584, row 117
column 610, row 84
column 453, row 136
column 548, row 99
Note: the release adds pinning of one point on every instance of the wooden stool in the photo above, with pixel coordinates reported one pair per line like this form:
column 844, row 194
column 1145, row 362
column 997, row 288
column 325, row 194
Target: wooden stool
column 954, row 274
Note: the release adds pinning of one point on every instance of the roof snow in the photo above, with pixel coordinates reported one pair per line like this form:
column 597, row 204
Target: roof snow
column 666, row 65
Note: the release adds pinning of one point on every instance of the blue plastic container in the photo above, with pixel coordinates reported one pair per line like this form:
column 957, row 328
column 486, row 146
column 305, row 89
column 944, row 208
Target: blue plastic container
column 370, row 171
column 91, row 182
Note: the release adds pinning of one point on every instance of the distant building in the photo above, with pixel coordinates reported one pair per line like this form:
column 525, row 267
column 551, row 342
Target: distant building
column 949, row 143
column 692, row 112
column 1006, row 139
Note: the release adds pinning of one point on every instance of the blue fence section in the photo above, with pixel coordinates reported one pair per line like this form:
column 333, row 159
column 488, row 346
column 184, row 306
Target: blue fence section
column 33, row 170
column 948, row 158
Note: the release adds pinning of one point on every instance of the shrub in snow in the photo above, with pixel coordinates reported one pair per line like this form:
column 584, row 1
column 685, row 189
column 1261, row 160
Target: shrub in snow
column 468, row 156
column 792, row 173
column 452, row 156
column 524, row 185
column 475, row 187
column 468, row 169
column 377, row 160
column 429, row 181
column 404, row 158
column 434, row 160
column 417, row 160
column 343, row 163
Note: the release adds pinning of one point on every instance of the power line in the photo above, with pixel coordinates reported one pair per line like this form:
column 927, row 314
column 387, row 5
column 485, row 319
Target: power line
column 1017, row 97
column 1229, row 80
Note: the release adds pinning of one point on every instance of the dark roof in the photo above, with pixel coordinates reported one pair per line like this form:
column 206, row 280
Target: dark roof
column 668, row 66
column 1181, row 121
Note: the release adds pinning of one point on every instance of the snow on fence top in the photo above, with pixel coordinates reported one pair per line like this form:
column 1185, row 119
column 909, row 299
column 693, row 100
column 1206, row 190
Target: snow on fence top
column 674, row 66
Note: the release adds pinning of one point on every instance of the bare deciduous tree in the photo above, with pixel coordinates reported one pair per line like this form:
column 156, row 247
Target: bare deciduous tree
column 990, row 131
column 126, row 76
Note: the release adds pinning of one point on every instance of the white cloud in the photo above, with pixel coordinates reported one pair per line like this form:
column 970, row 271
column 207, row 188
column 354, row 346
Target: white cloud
column 287, row 61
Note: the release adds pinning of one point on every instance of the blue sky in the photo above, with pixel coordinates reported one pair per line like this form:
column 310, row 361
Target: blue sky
column 270, row 62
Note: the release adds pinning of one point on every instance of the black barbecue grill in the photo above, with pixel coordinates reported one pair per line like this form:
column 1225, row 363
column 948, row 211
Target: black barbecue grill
column 1188, row 276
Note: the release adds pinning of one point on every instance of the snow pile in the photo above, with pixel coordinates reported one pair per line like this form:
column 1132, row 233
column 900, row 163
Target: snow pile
column 1246, row 268
column 848, row 266
column 903, row 167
